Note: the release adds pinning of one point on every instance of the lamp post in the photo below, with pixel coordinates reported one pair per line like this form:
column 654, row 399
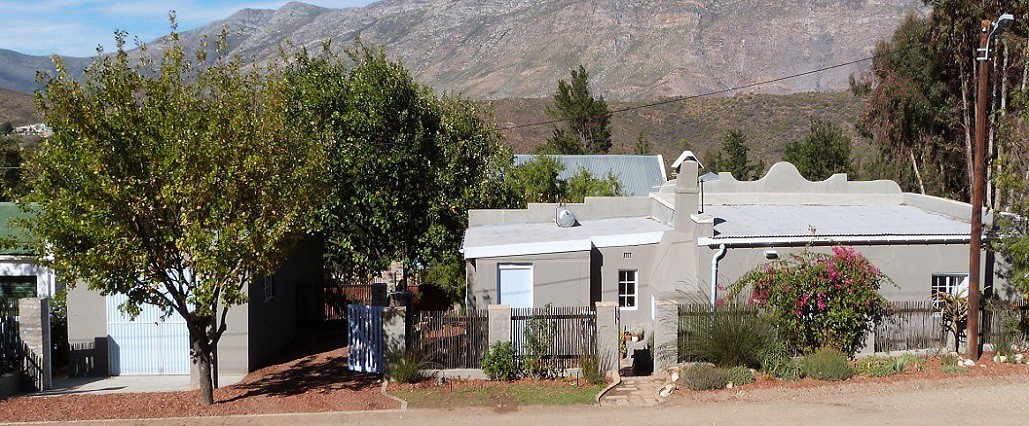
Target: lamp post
column 988, row 31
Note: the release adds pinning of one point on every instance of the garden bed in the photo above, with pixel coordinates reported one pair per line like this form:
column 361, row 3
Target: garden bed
column 502, row 396
column 931, row 372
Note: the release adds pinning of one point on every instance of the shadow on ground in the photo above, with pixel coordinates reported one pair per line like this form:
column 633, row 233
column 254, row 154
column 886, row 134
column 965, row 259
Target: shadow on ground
column 315, row 363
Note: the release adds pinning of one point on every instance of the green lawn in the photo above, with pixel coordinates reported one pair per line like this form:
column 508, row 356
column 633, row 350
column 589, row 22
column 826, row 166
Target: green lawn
column 497, row 394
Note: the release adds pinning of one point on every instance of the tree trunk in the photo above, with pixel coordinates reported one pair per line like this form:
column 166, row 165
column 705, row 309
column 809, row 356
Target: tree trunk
column 914, row 165
column 202, row 358
column 966, row 119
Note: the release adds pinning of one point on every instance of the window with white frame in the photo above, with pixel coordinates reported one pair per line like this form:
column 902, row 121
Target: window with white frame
column 269, row 287
column 628, row 285
column 946, row 283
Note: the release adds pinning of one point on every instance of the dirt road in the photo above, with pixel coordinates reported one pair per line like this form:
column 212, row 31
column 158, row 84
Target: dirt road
column 996, row 400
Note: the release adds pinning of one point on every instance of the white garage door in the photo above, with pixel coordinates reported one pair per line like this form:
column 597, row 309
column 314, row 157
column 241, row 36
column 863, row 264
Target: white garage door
column 149, row 344
column 514, row 284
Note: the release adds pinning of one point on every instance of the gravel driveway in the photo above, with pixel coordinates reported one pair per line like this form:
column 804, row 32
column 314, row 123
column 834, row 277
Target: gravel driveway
column 996, row 400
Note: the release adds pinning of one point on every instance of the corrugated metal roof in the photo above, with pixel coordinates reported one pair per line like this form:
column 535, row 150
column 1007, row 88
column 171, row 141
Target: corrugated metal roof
column 767, row 220
column 639, row 174
column 10, row 232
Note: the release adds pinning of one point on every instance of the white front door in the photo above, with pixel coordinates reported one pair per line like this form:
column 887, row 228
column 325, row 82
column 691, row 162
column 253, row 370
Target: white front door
column 152, row 343
column 514, row 285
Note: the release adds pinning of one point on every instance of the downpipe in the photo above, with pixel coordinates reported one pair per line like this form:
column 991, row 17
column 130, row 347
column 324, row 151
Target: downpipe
column 714, row 274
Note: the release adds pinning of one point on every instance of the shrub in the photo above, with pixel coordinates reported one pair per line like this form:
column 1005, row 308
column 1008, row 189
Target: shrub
column 1004, row 339
column 878, row 367
column 705, row 377
column 954, row 369
column 739, row 376
column 909, row 362
column 819, row 299
column 539, row 338
column 592, row 371
column 776, row 362
column 950, row 359
column 732, row 336
column 405, row 366
column 499, row 362
column 826, row 364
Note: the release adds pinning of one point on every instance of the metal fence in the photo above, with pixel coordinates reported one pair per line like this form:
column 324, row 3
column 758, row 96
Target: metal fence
column 10, row 341
column 327, row 304
column 451, row 339
column 569, row 333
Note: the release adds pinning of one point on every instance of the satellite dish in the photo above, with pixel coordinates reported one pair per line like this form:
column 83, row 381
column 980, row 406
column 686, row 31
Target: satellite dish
column 565, row 218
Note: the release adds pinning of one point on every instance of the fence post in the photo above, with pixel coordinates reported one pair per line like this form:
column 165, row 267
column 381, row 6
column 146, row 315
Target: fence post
column 608, row 333
column 34, row 331
column 394, row 328
column 666, row 335
column 499, row 324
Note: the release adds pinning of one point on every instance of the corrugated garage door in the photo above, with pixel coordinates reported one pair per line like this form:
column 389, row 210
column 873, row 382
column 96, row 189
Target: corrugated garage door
column 148, row 344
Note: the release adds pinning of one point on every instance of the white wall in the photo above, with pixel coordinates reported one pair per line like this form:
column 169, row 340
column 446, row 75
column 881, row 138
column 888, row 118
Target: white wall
column 12, row 266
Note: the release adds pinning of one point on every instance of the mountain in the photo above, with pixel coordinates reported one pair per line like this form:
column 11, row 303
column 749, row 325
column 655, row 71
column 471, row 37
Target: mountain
column 18, row 71
column 18, row 108
column 494, row 49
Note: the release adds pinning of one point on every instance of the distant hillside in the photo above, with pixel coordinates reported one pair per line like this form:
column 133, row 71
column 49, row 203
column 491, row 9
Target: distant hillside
column 18, row 71
column 495, row 49
column 18, row 108
column 700, row 125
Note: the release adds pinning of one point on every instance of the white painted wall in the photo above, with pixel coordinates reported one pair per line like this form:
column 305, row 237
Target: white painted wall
column 46, row 280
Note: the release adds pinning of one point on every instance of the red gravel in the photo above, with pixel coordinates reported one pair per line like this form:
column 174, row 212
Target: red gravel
column 318, row 382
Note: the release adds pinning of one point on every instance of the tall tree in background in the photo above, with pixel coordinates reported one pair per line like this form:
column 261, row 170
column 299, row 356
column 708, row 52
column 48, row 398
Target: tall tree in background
column 174, row 185
column 586, row 127
column 11, row 159
column 822, row 153
column 404, row 166
column 921, row 112
column 734, row 158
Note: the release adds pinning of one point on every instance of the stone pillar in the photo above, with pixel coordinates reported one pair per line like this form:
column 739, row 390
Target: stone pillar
column 608, row 333
column 394, row 328
column 499, row 323
column 34, row 330
column 666, row 335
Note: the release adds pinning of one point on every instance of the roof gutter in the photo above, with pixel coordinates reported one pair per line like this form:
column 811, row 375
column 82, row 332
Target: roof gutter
column 831, row 240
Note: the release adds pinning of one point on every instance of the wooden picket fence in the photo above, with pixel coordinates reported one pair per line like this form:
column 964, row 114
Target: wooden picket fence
column 451, row 339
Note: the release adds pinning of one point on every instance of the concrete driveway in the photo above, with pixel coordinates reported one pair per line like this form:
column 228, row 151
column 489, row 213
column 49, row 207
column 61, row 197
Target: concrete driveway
column 126, row 384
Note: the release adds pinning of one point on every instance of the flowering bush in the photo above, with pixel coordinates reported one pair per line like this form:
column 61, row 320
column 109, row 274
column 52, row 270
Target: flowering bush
column 819, row 300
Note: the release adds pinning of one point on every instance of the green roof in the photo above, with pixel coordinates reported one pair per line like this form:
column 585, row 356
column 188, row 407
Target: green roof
column 14, row 238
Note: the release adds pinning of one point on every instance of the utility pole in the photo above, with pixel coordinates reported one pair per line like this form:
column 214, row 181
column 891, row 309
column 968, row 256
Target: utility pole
column 987, row 32
column 978, row 188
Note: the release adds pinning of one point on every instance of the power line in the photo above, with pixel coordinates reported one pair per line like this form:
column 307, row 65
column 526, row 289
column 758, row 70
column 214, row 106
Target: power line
column 701, row 95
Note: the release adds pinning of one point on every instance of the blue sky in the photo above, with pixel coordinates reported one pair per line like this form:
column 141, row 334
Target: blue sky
column 76, row 27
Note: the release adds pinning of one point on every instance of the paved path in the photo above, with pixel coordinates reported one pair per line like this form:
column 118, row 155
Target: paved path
column 127, row 384
column 633, row 392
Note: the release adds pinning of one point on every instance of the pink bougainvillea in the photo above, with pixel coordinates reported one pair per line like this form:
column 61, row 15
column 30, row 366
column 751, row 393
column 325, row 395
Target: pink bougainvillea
column 819, row 299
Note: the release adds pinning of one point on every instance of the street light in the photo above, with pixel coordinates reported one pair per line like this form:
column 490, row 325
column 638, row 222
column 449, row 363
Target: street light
column 989, row 30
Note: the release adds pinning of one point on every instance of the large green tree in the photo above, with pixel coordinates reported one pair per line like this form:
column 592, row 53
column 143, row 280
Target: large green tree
column 174, row 185
column 538, row 181
column 734, row 157
column 822, row 153
column 585, row 120
column 403, row 167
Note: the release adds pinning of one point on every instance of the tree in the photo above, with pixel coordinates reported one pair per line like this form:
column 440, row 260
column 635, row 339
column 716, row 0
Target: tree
column 13, row 185
column 586, row 127
column 6, row 128
column 174, row 185
column 583, row 184
column 823, row 152
column 733, row 158
column 643, row 146
column 404, row 166
column 536, row 180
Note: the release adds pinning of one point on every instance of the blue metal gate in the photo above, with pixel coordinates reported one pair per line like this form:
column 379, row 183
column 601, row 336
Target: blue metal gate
column 365, row 339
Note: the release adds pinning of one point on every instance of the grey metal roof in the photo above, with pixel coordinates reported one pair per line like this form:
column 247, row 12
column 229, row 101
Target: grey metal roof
column 767, row 220
column 534, row 233
column 639, row 174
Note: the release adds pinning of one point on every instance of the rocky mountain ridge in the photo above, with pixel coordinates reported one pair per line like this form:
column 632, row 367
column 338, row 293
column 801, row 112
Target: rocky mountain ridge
column 495, row 49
